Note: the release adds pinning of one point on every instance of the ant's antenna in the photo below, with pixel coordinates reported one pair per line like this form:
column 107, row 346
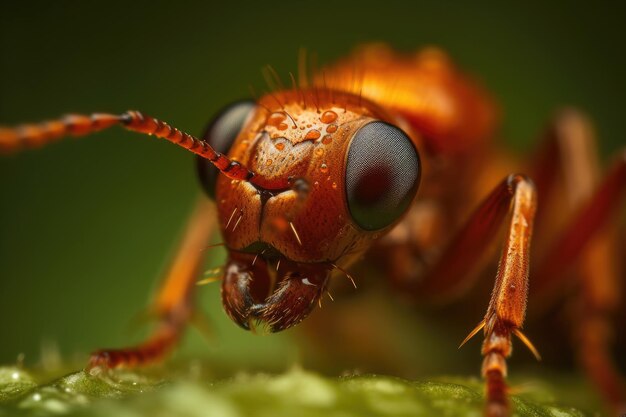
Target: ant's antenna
column 34, row 135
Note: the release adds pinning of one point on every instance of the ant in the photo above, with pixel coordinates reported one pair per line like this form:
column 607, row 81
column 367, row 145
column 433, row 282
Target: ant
column 307, row 180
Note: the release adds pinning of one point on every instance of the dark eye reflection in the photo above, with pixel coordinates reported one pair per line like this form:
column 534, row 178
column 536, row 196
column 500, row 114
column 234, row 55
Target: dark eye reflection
column 371, row 187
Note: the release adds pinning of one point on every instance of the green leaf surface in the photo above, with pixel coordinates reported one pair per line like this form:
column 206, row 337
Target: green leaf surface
column 296, row 392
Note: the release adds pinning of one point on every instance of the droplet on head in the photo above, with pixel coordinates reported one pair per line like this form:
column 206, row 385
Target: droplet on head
column 276, row 119
column 279, row 145
column 334, row 185
column 327, row 139
column 324, row 168
column 312, row 134
column 282, row 126
column 319, row 151
column 268, row 162
column 328, row 116
column 331, row 128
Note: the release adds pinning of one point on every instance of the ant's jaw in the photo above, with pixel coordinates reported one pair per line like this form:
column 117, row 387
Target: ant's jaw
column 254, row 290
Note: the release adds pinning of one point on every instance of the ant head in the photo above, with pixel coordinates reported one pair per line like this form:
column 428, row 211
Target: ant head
column 331, row 174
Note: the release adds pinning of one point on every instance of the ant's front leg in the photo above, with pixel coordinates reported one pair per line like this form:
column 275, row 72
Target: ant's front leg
column 173, row 305
column 514, row 199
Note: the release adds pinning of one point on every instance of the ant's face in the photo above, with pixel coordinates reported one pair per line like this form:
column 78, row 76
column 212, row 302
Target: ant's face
column 351, row 176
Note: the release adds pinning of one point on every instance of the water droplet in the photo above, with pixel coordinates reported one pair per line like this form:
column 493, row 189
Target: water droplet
column 309, row 125
column 313, row 134
column 279, row 145
column 268, row 162
column 328, row 117
column 316, row 183
column 331, row 128
column 319, row 151
column 324, row 168
column 327, row 139
column 334, row 185
column 275, row 135
column 276, row 119
column 282, row 126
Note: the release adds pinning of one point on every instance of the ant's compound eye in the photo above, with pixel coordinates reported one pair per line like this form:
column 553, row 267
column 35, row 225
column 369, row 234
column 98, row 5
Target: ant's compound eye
column 220, row 134
column 382, row 175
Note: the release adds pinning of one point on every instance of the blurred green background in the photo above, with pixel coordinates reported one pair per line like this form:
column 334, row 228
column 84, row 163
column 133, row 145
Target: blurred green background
column 87, row 226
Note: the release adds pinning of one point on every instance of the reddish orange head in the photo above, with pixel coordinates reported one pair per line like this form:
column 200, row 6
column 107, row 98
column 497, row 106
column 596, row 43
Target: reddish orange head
column 331, row 175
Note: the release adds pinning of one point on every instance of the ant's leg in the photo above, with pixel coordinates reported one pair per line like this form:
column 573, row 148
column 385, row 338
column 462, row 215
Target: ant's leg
column 514, row 199
column 570, row 150
column 568, row 163
column 174, row 302
column 589, row 242
column 568, row 153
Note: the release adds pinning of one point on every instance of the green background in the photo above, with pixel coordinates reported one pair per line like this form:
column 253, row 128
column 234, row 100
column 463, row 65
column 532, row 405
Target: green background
column 86, row 226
